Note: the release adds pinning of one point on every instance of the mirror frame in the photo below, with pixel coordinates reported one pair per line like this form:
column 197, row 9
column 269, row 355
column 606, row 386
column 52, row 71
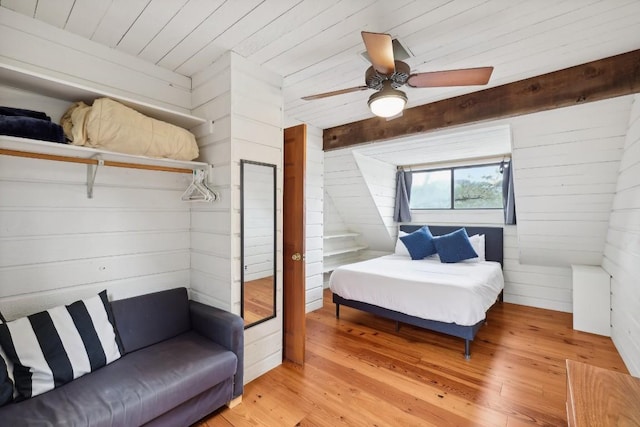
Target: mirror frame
column 242, row 239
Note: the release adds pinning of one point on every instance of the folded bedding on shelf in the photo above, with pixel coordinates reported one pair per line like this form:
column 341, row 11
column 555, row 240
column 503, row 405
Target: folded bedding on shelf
column 10, row 111
column 29, row 124
column 112, row 126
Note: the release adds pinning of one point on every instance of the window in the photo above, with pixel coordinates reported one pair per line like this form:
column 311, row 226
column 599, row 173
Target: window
column 431, row 190
column 468, row 187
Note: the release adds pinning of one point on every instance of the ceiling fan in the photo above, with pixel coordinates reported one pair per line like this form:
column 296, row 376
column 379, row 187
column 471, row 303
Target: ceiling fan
column 386, row 75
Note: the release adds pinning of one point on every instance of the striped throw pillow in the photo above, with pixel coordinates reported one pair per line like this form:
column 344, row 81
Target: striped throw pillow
column 53, row 347
column 6, row 379
column 6, row 375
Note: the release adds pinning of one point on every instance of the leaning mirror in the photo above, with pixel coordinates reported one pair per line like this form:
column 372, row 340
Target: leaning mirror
column 258, row 241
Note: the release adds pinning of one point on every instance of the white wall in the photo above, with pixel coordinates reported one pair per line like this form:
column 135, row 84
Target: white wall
column 55, row 244
column 622, row 249
column 566, row 166
column 334, row 225
column 245, row 104
column 379, row 177
column 349, row 181
column 212, row 278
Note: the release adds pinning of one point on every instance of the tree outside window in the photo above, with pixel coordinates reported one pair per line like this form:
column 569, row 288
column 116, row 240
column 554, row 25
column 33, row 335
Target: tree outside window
column 469, row 187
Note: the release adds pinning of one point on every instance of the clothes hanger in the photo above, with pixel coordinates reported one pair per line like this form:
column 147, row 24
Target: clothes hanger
column 198, row 191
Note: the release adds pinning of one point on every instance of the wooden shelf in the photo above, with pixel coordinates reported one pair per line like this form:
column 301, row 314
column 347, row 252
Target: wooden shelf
column 32, row 148
column 72, row 92
column 91, row 157
column 330, row 254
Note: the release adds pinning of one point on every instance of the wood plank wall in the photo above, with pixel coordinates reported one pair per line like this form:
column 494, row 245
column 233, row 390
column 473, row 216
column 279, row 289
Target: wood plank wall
column 257, row 134
column 245, row 103
column 379, row 178
column 622, row 249
column 566, row 163
column 351, row 182
column 212, row 256
column 55, row 244
column 333, row 224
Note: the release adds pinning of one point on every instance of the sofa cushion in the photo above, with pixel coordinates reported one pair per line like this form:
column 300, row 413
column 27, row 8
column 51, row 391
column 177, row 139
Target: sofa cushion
column 133, row 390
column 148, row 319
column 51, row 348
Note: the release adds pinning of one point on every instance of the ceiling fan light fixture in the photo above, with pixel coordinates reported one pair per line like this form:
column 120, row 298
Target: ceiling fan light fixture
column 388, row 102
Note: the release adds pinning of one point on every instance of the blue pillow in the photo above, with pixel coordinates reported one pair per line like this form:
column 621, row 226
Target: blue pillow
column 454, row 247
column 419, row 243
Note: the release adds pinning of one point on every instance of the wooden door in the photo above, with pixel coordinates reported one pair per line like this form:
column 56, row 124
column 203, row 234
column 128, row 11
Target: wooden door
column 295, row 152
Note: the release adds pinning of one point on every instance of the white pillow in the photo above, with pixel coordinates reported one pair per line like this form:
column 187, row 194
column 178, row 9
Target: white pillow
column 401, row 249
column 477, row 241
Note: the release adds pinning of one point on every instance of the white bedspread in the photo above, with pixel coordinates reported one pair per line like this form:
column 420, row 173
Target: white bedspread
column 458, row 293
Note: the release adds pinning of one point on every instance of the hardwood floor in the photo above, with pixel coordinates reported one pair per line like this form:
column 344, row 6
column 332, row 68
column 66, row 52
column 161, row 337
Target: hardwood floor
column 360, row 372
column 259, row 300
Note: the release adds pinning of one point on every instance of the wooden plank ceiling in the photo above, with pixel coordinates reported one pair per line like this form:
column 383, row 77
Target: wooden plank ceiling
column 316, row 45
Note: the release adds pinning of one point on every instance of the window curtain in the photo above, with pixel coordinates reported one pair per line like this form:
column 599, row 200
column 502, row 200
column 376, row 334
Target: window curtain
column 508, row 197
column 402, row 213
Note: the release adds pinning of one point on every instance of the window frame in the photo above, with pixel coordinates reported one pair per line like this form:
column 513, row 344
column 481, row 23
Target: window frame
column 452, row 169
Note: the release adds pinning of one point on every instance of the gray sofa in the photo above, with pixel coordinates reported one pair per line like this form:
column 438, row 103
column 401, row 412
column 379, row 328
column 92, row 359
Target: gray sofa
column 182, row 360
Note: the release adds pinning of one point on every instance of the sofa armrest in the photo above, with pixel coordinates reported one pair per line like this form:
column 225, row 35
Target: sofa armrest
column 224, row 328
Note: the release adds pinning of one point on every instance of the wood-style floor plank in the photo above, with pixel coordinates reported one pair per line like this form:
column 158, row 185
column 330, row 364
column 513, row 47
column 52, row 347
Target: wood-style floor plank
column 360, row 372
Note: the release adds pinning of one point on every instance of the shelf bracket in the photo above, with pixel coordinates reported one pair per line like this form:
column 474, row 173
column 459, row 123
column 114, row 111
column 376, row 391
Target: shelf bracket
column 92, row 170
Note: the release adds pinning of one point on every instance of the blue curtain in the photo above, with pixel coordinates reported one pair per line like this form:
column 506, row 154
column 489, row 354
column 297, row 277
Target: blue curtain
column 508, row 197
column 402, row 213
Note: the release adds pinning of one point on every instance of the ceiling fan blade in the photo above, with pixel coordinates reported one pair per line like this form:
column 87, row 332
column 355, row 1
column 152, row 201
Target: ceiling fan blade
column 380, row 51
column 462, row 77
column 335, row 92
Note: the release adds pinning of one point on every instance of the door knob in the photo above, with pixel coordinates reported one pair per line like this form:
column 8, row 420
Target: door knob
column 296, row 256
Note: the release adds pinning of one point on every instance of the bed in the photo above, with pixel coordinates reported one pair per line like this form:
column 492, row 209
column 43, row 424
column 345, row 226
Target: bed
column 453, row 300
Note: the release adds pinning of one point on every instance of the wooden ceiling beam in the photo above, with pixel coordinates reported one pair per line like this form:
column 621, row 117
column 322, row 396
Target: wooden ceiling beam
column 594, row 81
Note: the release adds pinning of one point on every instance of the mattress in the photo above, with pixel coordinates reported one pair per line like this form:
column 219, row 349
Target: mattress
column 458, row 293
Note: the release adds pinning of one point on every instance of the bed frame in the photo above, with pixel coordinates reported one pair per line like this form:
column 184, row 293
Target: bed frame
column 493, row 252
